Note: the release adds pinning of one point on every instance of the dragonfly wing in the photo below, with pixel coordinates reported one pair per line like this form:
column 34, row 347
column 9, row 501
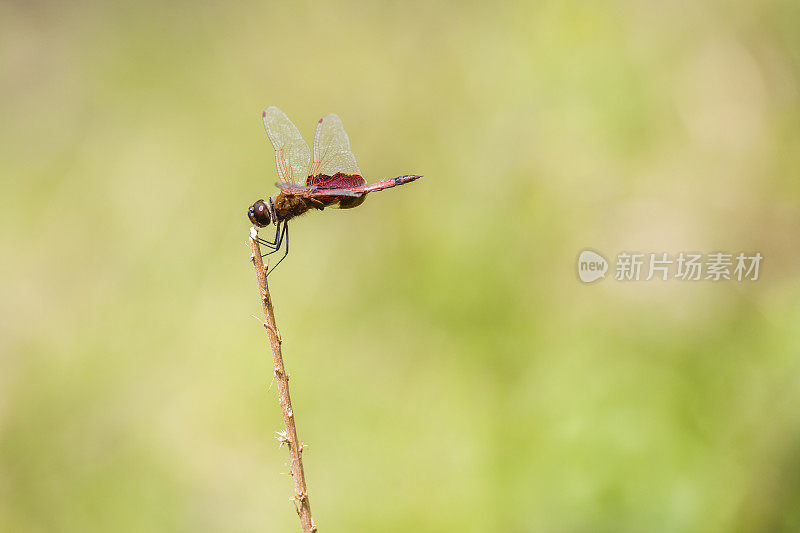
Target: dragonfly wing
column 361, row 190
column 294, row 187
column 353, row 187
column 332, row 154
column 337, row 181
column 292, row 154
column 334, row 192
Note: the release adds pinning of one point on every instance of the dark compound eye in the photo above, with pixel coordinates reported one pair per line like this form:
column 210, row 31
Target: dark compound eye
column 258, row 213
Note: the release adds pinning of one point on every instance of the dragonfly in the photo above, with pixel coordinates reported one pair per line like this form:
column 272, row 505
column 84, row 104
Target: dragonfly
column 328, row 178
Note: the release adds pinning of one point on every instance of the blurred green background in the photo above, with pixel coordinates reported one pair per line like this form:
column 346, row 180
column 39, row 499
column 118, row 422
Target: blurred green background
column 450, row 372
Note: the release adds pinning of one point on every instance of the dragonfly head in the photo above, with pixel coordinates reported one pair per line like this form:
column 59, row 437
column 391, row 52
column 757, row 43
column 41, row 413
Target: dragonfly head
column 259, row 214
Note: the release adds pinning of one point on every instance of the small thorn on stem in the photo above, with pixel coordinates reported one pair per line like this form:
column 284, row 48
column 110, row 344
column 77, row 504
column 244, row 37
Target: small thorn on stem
column 282, row 437
column 275, row 331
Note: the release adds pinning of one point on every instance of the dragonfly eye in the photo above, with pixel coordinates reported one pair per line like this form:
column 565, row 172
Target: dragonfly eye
column 259, row 214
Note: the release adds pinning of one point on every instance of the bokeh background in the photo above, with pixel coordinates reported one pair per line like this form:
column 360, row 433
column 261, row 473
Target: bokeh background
column 450, row 371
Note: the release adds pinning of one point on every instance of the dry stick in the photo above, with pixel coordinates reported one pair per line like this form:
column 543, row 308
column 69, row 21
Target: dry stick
column 289, row 436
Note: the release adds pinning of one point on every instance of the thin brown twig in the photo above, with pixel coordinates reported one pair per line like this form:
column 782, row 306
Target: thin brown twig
column 289, row 435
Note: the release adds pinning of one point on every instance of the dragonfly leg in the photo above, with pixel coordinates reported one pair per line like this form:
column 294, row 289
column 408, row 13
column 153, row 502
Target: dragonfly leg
column 273, row 244
column 276, row 246
column 284, row 236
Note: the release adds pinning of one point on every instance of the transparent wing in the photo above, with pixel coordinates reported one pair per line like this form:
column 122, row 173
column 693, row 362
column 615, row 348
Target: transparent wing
column 294, row 186
column 292, row 154
column 332, row 153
